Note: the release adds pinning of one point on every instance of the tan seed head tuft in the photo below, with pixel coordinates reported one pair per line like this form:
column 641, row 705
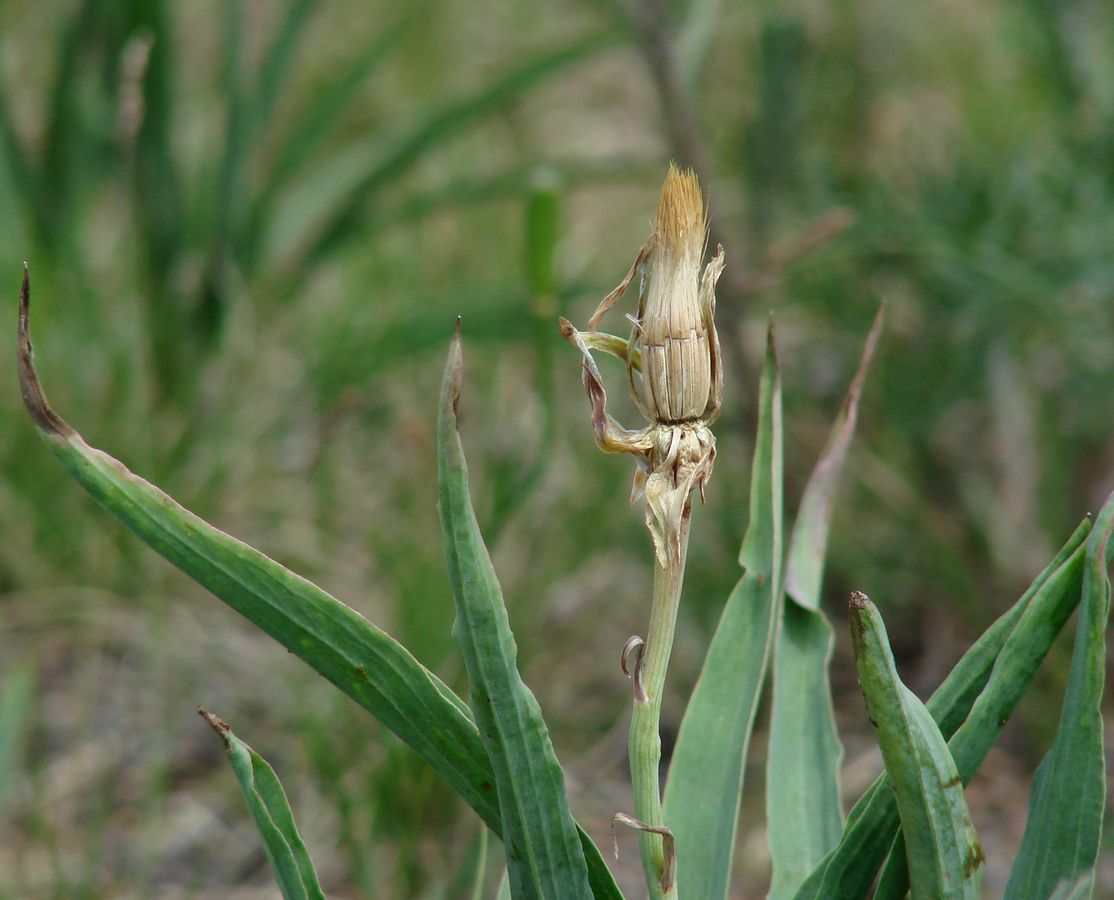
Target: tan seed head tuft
column 680, row 227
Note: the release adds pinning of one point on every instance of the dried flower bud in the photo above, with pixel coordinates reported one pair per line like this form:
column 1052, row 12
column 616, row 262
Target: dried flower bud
column 673, row 362
column 672, row 330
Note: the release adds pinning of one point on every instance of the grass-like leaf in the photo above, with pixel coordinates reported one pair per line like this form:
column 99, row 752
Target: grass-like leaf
column 944, row 855
column 270, row 809
column 278, row 60
column 544, row 857
column 802, row 768
column 1061, row 841
column 312, row 125
column 706, row 776
column 363, row 661
column 979, row 694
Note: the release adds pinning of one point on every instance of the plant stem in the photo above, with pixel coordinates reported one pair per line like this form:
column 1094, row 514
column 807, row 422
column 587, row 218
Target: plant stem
column 645, row 735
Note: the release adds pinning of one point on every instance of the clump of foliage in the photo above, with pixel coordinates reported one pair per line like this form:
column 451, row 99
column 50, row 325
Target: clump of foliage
column 910, row 831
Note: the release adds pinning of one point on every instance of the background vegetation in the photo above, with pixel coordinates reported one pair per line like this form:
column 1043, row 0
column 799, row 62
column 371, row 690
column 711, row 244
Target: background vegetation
column 251, row 226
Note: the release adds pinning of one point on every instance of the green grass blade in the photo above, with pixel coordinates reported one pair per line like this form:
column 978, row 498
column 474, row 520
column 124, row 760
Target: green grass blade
column 706, row 776
column 229, row 205
column 943, row 852
column 851, row 868
column 544, row 856
column 404, row 151
column 802, row 770
column 363, row 661
column 63, row 145
column 1062, row 834
column 270, row 809
column 278, row 61
column 517, row 478
column 313, row 125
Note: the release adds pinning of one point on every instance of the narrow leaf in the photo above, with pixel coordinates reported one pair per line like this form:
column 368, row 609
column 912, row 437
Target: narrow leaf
column 706, row 776
column 804, row 567
column 229, row 206
column 544, row 857
column 944, row 855
column 312, row 126
column 893, row 883
column 363, row 661
column 802, row 769
column 270, row 809
column 803, row 812
column 979, row 694
column 279, row 58
column 1062, row 834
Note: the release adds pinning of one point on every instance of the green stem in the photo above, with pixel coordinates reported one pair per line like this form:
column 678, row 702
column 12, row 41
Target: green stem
column 645, row 734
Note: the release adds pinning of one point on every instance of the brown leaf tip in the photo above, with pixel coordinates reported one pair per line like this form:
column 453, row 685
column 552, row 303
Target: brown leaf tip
column 858, row 602
column 218, row 724
column 454, row 372
column 46, row 420
column 680, row 225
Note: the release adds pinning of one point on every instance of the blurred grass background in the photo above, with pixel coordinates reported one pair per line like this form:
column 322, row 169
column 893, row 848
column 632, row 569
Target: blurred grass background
column 251, row 224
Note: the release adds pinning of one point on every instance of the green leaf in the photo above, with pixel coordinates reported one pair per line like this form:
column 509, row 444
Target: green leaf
column 706, row 776
column 893, row 883
column 802, row 769
column 229, row 206
column 1061, row 841
column 979, row 694
column 544, row 857
column 363, row 661
column 803, row 809
column 64, row 142
column 270, row 809
column 279, row 58
column 943, row 853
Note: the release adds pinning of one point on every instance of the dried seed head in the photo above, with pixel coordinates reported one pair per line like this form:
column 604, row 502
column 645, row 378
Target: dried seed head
column 673, row 363
column 674, row 325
